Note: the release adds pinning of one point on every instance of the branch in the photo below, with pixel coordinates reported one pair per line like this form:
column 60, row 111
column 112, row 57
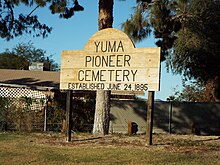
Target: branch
column 33, row 10
column 181, row 16
column 11, row 12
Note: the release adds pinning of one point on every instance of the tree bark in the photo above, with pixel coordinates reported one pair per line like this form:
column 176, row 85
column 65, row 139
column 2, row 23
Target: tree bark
column 217, row 88
column 102, row 110
column 102, row 113
column 105, row 19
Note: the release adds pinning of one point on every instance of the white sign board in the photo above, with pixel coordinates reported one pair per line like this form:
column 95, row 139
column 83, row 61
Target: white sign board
column 109, row 61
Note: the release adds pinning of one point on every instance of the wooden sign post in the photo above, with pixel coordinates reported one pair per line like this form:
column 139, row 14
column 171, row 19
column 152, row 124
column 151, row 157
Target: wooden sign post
column 109, row 61
column 150, row 116
column 68, row 115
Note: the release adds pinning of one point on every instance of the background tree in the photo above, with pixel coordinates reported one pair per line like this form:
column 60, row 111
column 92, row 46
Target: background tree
column 137, row 27
column 187, row 32
column 156, row 16
column 10, row 60
column 13, row 25
column 195, row 92
column 29, row 52
column 22, row 55
column 196, row 53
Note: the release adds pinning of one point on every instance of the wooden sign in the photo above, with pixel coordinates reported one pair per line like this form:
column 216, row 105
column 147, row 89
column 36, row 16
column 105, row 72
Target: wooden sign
column 109, row 61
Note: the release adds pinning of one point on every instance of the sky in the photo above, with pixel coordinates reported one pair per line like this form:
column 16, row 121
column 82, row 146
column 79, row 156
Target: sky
column 73, row 34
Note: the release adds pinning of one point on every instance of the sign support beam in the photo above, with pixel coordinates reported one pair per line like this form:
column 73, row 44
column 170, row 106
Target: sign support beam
column 150, row 116
column 68, row 115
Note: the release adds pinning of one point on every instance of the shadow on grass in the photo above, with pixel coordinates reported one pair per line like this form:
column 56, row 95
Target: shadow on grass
column 87, row 139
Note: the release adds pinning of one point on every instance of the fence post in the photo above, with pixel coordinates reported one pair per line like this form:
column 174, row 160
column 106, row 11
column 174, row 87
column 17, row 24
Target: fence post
column 45, row 118
column 45, row 115
column 170, row 116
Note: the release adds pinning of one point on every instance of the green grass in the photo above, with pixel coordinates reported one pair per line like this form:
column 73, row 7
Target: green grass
column 20, row 149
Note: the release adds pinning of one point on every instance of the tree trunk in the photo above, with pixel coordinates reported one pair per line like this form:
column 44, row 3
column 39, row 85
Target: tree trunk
column 105, row 19
column 217, row 88
column 102, row 110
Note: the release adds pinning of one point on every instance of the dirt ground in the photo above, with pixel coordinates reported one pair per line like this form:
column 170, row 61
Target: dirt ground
column 170, row 143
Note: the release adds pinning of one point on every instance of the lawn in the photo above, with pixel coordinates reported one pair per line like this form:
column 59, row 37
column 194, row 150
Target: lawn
column 51, row 148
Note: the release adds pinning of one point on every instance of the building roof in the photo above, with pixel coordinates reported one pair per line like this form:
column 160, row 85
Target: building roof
column 41, row 80
column 31, row 79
